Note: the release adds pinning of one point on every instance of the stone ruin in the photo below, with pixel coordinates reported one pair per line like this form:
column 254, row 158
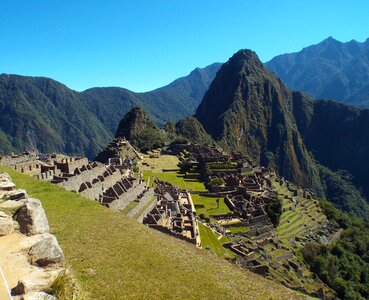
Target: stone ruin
column 174, row 213
column 111, row 184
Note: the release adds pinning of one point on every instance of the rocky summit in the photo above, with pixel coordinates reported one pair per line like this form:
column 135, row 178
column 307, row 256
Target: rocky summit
column 249, row 109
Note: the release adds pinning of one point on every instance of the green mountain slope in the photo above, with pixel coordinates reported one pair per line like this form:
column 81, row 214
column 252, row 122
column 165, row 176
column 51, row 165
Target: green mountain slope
column 330, row 69
column 337, row 135
column 248, row 109
column 140, row 130
column 41, row 113
column 170, row 103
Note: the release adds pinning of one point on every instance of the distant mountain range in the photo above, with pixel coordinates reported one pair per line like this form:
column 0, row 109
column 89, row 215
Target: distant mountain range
column 42, row 113
column 45, row 114
column 328, row 70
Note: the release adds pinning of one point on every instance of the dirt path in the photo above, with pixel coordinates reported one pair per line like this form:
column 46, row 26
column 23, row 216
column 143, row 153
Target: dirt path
column 15, row 265
column 4, row 288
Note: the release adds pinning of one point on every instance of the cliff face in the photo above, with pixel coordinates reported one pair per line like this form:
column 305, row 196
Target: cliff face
column 248, row 109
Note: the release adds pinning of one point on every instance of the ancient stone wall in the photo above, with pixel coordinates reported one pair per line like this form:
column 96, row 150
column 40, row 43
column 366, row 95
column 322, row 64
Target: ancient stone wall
column 129, row 196
column 149, row 194
column 101, row 183
column 73, row 183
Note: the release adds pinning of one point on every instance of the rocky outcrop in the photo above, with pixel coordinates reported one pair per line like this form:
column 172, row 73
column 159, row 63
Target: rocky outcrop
column 46, row 252
column 38, row 296
column 32, row 218
column 25, row 291
column 6, row 224
column 30, row 256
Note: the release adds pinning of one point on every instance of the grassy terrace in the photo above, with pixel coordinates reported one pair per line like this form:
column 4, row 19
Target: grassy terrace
column 295, row 218
column 177, row 179
column 114, row 257
column 213, row 242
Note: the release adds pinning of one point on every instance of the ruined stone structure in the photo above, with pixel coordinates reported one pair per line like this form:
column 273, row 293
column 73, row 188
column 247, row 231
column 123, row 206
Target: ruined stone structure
column 174, row 213
column 112, row 184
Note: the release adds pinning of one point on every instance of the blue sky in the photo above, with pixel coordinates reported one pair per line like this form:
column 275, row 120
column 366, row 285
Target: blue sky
column 142, row 45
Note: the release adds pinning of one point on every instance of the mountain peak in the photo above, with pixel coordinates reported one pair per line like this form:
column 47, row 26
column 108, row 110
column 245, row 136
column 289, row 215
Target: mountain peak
column 245, row 56
column 137, row 127
column 134, row 120
column 331, row 39
column 248, row 109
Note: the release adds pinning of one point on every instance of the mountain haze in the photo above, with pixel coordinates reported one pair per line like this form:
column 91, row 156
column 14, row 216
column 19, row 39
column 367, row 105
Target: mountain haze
column 330, row 70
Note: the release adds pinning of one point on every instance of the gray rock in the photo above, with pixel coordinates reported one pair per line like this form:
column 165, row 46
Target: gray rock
column 6, row 224
column 46, row 251
column 5, row 177
column 16, row 195
column 32, row 218
column 7, row 186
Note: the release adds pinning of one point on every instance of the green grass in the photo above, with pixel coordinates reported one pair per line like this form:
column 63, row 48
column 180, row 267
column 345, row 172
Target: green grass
column 177, row 179
column 114, row 257
column 210, row 242
column 129, row 207
column 162, row 162
column 237, row 229
column 204, row 205
column 208, row 205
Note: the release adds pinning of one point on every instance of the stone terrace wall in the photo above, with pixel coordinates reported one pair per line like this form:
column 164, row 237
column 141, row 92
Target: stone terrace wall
column 142, row 202
column 129, row 196
column 73, row 183
column 100, row 183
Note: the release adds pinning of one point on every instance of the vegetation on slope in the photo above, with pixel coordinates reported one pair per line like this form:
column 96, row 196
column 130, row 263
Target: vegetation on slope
column 246, row 108
column 40, row 113
column 142, row 132
column 191, row 130
column 45, row 114
column 344, row 264
column 114, row 257
column 177, row 100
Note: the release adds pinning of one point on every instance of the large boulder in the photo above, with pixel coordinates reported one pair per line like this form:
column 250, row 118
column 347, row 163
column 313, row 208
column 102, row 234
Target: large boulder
column 16, row 195
column 32, row 218
column 6, row 224
column 45, row 252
